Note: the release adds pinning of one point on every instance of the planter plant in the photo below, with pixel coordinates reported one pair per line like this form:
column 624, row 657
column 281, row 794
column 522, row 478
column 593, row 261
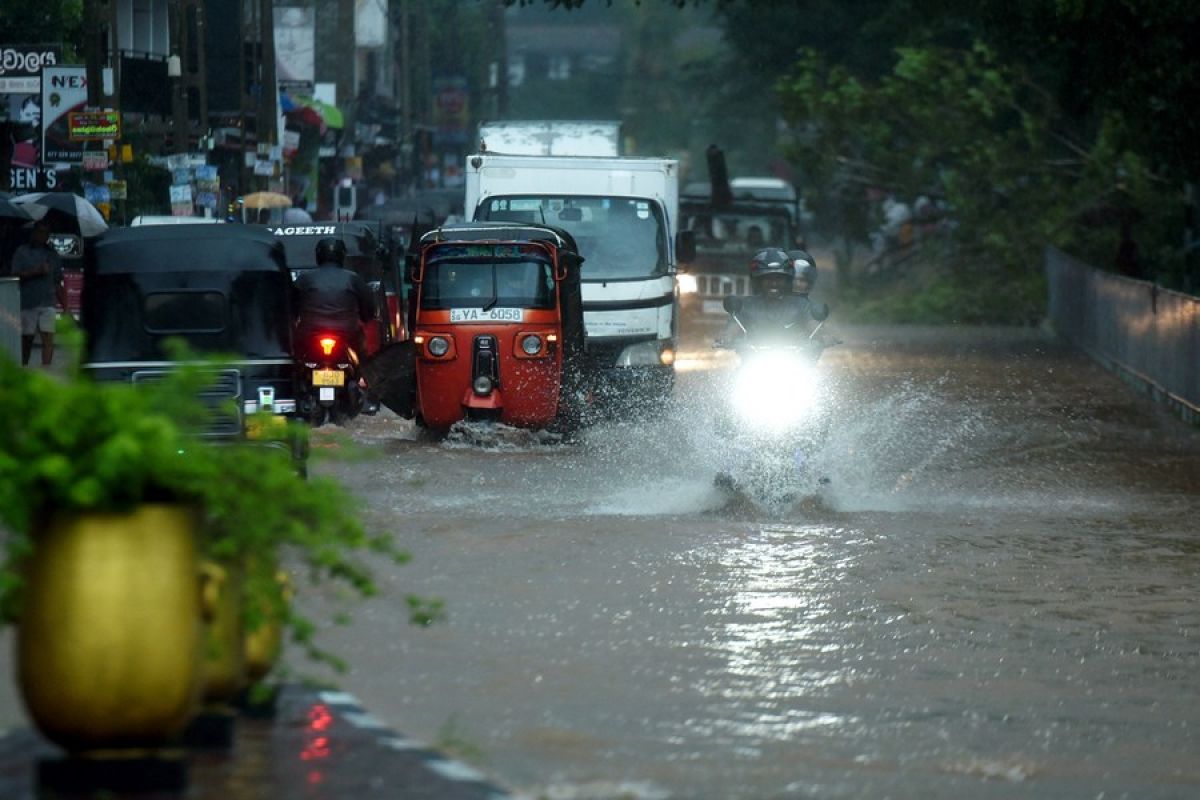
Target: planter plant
column 112, row 511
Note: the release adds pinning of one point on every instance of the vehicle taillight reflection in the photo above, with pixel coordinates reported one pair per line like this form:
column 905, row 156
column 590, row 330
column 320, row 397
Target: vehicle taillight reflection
column 317, row 746
column 319, row 718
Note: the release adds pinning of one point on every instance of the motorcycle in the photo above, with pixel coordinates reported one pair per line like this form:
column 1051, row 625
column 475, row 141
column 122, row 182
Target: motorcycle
column 329, row 375
column 775, row 420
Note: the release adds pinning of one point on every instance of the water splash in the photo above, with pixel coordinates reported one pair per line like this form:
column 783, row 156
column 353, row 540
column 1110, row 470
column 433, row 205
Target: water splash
column 880, row 455
column 467, row 434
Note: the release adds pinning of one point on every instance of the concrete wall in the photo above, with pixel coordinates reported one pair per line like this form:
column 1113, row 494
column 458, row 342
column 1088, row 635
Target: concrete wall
column 1150, row 335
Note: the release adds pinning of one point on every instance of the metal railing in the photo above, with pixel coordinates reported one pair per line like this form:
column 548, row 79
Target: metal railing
column 1147, row 334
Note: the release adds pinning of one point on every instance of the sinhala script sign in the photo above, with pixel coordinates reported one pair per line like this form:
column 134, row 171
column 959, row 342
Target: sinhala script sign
column 21, row 66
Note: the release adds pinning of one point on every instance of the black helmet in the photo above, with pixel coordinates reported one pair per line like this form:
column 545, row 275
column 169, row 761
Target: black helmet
column 806, row 270
column 771, row 261
column 331, row 249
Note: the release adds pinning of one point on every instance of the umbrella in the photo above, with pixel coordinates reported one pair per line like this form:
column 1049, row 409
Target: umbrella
column 89, row 221
column 312, row 110
column 266, row 200
column 296, row 216
column 10, row 212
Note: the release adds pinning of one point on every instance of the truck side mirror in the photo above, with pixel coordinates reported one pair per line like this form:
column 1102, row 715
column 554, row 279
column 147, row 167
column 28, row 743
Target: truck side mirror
column 732, row 304
column 685, row 247
column 820, row 312
column 411, row 264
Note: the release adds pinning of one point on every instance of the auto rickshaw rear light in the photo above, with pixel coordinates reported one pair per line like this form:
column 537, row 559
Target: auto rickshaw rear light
column 327, row 344
column 438, row 346
column 482, row 385
column 531, row 344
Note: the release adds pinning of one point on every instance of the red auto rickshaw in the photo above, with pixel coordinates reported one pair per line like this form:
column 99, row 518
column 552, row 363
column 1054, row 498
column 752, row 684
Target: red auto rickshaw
column 498, row 326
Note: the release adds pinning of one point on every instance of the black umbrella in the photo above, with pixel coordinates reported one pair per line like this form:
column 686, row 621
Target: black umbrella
column 86, row 218
column 10, row 212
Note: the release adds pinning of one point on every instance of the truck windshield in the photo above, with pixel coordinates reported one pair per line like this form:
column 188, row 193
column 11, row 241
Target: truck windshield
column 487, row 284
column 618, row 237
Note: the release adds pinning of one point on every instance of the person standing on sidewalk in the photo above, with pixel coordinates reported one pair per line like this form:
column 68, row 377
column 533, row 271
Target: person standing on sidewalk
column 40, row 271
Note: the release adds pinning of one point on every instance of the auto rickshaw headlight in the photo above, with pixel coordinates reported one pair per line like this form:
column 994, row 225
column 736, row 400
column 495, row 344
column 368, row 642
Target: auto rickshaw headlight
column 482, row 385
column 438, row 346
column 531, row 344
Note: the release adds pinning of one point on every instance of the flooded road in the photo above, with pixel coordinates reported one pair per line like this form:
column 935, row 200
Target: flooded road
column 994, row 597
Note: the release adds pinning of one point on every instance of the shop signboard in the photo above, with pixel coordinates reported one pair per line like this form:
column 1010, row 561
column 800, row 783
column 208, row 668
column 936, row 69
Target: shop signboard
column 21, row 104
column 64, row 90
column 93, row 126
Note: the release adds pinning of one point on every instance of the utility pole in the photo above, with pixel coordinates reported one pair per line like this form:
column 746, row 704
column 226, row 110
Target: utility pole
column 498, row 30
column 175, row 72
column 268, row 116
column 347, row 48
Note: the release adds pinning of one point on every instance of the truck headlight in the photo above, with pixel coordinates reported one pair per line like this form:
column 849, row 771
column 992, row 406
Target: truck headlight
column 438, row 346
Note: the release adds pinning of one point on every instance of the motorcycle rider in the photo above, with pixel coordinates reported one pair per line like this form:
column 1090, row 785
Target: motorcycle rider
column 776, row 307
column 332, row 298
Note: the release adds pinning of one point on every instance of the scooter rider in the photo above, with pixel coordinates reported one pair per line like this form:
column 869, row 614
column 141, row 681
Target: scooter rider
column 780, row 304
column 332, row 298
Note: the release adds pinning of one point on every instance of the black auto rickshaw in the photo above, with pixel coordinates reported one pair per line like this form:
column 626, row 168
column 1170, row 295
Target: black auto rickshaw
column 368, row 254
column 224, row 290
column 498, row 334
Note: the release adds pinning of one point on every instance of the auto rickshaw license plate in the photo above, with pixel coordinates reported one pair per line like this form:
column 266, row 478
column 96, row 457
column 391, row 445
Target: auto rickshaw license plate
column 328, row 377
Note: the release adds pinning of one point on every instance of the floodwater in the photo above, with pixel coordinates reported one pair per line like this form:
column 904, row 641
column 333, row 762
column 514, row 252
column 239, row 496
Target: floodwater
column 994, row 596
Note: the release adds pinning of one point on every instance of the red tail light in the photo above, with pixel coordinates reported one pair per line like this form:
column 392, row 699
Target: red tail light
column 328, row 343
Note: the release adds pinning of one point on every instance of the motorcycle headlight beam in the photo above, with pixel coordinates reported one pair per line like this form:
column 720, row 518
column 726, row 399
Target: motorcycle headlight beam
column 774, row 392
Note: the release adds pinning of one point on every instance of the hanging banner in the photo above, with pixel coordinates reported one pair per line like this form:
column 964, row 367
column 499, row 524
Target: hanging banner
column 370, row 23
column 295, row 33
column 64, row 89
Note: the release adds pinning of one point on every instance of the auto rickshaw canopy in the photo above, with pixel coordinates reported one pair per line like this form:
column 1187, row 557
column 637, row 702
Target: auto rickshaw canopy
column 362, row 242
column 501, row 232
column 222, row 288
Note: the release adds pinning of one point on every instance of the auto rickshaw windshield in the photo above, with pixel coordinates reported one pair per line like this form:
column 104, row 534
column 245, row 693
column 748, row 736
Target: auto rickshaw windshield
column 476, row 283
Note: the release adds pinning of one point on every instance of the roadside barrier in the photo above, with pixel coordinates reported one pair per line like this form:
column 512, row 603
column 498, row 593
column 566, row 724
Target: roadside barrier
column 1150, row 336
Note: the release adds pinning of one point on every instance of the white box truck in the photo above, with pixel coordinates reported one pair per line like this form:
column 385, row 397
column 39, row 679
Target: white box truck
column 551, row 137
column 623, row 213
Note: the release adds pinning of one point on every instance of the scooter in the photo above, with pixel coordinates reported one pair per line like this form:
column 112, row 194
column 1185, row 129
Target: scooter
column 774, row 421
column 329, row 375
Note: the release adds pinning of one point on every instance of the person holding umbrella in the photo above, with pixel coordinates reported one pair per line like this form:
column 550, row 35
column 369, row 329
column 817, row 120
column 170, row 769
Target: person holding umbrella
column 40, row 272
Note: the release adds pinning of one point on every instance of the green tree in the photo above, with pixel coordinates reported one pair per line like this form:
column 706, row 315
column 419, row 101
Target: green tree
column 48, row 22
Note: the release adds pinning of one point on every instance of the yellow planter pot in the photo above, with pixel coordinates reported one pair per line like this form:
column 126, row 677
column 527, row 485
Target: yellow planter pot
column 109, row 640
column 224, row 635
column 264, row 642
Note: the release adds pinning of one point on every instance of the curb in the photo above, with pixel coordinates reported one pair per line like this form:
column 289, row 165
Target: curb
column 318, row 744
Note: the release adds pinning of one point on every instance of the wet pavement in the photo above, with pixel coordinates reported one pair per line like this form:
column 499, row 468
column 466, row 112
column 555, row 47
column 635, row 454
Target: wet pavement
column 994, row 596
column 318, row 746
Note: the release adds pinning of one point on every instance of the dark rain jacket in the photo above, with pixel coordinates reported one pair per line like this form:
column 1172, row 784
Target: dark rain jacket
column 788, row 317
column 330, row 296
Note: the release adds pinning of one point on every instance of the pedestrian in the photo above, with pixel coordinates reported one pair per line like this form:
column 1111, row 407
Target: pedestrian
column 40, row 272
